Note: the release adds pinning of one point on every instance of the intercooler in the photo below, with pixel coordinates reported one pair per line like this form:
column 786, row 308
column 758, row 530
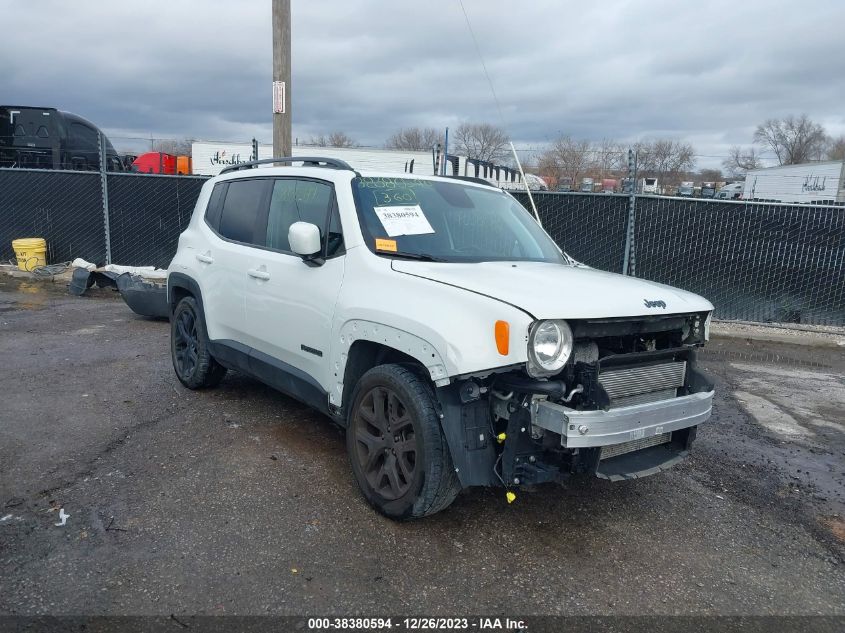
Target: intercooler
column 634, row 445
column 627, row 386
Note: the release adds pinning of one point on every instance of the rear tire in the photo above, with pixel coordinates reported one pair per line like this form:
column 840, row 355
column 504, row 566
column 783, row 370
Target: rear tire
column 194, row 365
column 396, row 447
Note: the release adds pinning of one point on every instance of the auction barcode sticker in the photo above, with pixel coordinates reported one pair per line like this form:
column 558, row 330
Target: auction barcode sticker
column 407, row 220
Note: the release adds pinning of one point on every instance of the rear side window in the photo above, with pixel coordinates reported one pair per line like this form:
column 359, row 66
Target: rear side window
column 302, row 201
column 215, row 206
column 241, row 210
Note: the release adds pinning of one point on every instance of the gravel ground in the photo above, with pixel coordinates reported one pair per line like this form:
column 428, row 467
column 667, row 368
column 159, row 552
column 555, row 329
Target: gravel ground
column 240, row 500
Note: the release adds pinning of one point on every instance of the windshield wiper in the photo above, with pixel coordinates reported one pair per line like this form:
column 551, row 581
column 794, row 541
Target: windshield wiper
column 423, row 257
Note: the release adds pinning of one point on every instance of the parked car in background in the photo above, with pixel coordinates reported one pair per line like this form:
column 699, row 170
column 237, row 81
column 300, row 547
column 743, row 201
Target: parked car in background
column 587, row 185
column 609, row 185
column 47, row 138
column 564, row 185
column 439, row 324
column 708, row 190
column 686, row 189
column 732, row 191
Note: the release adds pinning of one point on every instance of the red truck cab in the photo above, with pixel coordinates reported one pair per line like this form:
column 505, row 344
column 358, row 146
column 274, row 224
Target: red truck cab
column 155, row 163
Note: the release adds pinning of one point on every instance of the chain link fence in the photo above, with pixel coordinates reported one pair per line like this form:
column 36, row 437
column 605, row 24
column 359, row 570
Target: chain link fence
column 760, row 262
column 135, row 219
column 146, row 215
column 65, row 207
column 755, row 261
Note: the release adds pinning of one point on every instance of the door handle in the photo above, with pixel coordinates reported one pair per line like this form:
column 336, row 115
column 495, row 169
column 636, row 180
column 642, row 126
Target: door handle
column 258, row 274
column 205, row 258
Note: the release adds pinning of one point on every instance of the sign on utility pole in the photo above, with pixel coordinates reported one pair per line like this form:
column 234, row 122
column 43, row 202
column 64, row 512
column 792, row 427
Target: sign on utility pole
column 281, row 78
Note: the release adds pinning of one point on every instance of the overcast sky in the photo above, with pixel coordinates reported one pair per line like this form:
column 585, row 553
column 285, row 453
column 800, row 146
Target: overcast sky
column 704, row 72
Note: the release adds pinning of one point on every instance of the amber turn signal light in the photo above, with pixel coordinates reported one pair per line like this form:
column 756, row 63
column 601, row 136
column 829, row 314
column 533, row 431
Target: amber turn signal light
column 503, row 337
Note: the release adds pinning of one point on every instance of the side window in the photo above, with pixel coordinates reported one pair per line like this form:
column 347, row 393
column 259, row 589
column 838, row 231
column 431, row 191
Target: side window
column 302, row 201
column 215, row 205
column 335, row 234
column 241, row 209
column 83, row 138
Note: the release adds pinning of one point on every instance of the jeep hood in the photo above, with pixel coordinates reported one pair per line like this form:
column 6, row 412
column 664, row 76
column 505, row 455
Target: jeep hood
column 559, row 291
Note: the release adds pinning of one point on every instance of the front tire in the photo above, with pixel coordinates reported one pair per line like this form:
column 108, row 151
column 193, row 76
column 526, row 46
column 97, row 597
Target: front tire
column 396, row 447
column 194, row 365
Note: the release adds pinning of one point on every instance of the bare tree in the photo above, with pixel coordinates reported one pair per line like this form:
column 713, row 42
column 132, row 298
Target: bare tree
column 609, row 158
column 177, row 147
column 413, row 139
column 341, row 139
column 836, row 148
column 481, row 140
column 335, row 139
column 793, row 139
column 740, row 161
column 566, row 158
column 711, row 175
column 667, row 159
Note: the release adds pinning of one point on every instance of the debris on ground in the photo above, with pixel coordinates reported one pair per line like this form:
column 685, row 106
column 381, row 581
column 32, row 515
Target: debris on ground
column 143, row 288
column 63, row 517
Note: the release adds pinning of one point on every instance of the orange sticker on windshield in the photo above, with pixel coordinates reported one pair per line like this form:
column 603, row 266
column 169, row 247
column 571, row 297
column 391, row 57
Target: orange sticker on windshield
column 385, row 245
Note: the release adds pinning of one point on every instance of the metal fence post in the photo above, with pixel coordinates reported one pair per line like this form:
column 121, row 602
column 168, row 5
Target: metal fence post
column 629, row 262
column 104, row 183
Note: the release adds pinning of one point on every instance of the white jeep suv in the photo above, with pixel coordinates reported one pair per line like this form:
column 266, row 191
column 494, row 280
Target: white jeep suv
column 438, row 323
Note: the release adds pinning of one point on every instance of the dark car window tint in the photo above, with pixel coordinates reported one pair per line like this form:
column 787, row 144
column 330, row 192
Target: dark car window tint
column 335, row 234
column 83, row 138
column 241, row 209
column 296, row 201
column 212, row 211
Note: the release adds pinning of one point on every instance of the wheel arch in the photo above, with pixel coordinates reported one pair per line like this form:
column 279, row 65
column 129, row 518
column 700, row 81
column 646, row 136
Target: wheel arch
column 363, row 345
column 179, row 285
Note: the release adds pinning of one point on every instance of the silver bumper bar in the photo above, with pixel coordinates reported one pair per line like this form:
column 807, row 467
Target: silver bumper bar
column 583, row 429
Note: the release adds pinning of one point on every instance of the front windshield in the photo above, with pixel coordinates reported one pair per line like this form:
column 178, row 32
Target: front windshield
column 448, row 221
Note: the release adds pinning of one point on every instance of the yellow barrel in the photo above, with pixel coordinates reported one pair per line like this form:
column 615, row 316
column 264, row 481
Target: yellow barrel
column 31, row 253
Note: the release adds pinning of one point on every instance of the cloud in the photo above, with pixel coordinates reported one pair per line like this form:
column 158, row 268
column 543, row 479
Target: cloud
column 706, row 73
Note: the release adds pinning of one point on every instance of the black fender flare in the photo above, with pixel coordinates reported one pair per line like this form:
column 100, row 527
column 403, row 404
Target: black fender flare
column 181, row 280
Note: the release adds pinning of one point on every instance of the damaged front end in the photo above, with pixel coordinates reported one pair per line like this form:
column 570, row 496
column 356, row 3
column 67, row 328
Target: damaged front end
column 626, row 404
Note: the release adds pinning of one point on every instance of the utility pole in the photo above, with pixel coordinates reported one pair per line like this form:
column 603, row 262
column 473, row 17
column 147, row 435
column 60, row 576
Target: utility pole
column 281, row 79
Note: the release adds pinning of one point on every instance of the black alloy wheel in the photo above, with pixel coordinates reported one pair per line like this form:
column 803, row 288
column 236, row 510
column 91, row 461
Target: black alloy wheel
column 386, row 444
column 185, row 346
column 195, row 367
column 397, row 450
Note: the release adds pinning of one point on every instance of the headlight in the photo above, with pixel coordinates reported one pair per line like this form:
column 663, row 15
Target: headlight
column 549, row 347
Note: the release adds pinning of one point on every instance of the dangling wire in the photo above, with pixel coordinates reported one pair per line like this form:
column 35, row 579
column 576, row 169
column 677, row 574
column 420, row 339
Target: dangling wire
column 499, row 108
column 483, row 65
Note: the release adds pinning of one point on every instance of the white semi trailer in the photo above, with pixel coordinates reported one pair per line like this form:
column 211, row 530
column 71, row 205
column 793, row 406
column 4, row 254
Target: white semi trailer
column 808, row 183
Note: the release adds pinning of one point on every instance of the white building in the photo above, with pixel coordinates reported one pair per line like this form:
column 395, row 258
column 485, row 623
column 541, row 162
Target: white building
column 209, row 158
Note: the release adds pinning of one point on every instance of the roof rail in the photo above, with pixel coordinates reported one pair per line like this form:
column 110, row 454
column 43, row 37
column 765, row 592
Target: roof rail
column 310, row 161
column 476, row 180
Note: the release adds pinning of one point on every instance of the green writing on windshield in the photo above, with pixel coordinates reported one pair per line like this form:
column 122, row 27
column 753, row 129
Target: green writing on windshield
column 391, row 197
column 391, row 184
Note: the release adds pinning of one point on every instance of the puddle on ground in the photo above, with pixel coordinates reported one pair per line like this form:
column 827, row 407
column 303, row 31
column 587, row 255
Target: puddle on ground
column 20, row 294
